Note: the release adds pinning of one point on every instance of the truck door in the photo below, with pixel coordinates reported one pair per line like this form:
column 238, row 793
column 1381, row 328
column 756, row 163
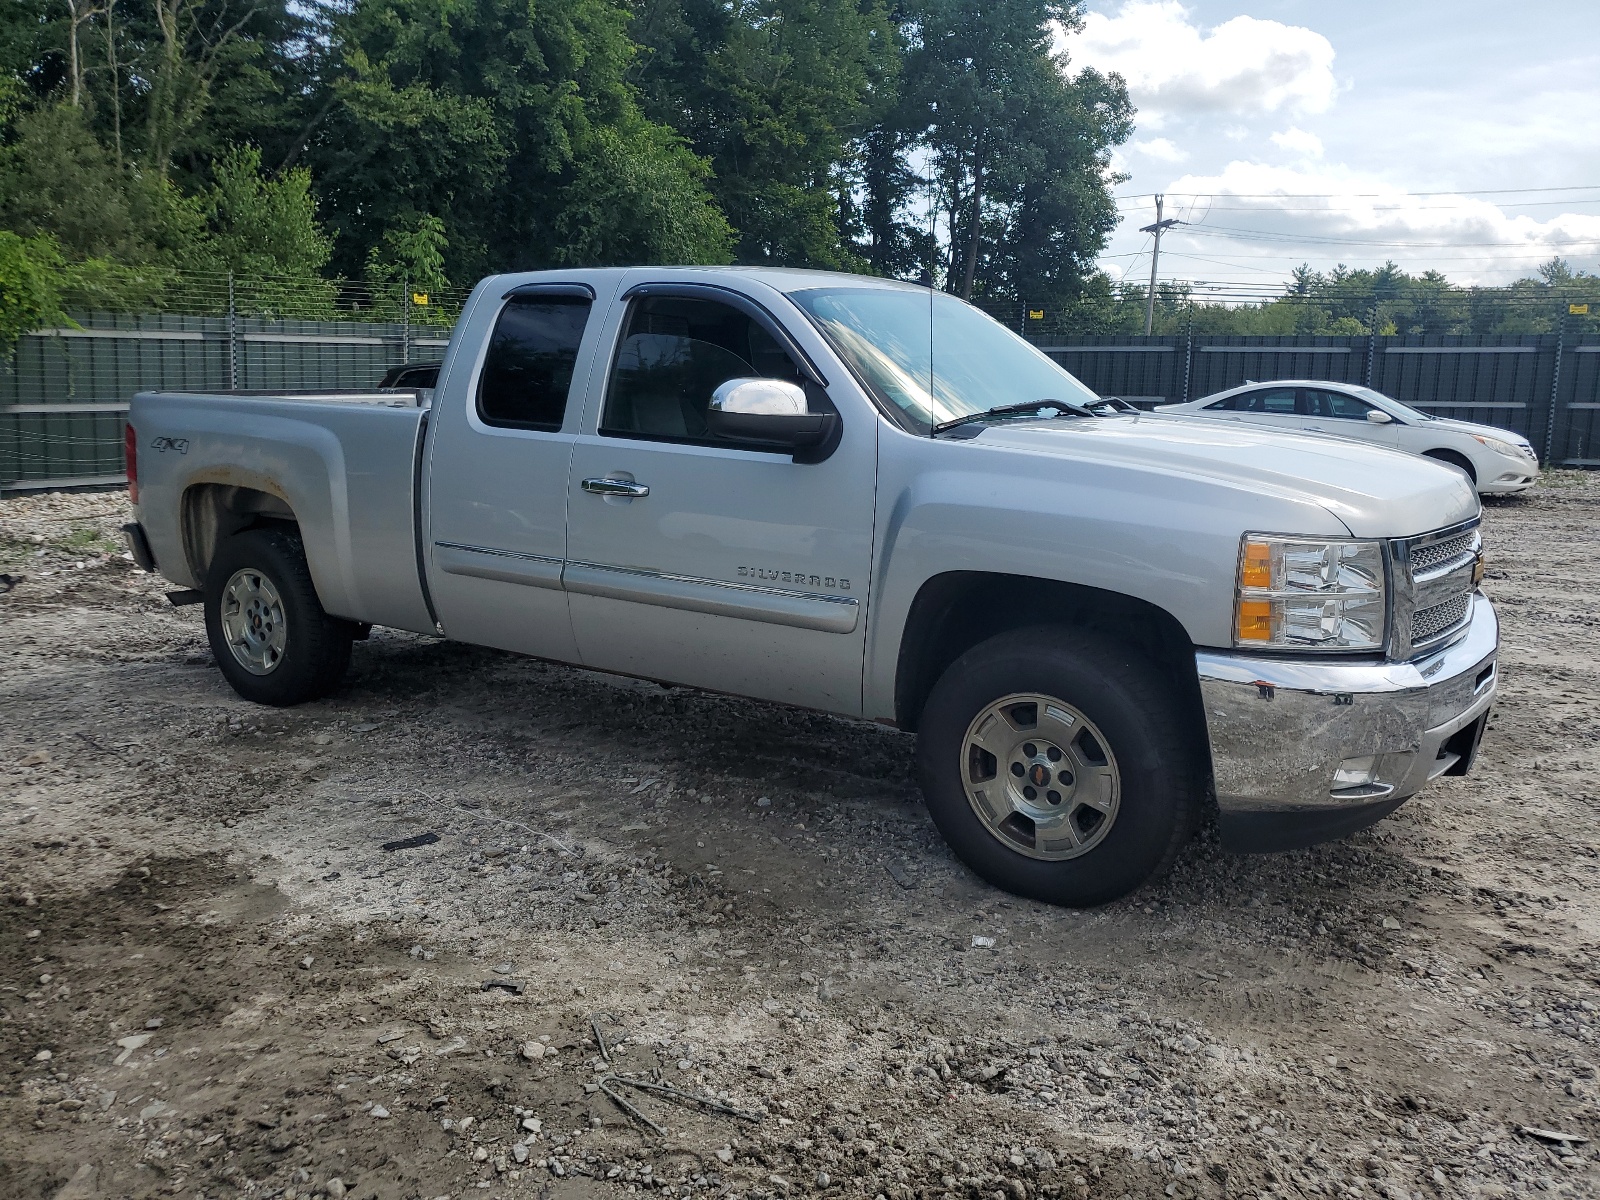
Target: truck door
column 496, row 536
column 703, row 562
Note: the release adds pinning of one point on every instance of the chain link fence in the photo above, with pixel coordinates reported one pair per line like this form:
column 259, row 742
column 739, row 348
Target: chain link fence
column 64, row 397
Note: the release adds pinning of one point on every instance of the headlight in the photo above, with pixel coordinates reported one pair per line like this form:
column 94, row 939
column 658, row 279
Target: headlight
column 1313, row 595
column 1509, row 449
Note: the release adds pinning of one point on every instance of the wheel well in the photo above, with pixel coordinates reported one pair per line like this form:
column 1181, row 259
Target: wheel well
column 214, row 511
column 954, row 612
column 1456, row 459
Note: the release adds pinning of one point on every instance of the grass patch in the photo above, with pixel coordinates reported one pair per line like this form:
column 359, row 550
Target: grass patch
column 88, row 540
column 1553, row 477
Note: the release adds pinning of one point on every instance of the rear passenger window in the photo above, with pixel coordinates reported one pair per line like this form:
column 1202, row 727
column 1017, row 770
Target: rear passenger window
column 1267, row 400
column 1337, row 405
column 532, row 353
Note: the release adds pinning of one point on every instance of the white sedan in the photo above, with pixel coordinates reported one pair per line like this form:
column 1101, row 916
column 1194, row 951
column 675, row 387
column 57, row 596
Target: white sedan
column 1497, row 461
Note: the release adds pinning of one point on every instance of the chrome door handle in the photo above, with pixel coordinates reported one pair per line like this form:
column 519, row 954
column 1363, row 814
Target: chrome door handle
column 615, row 487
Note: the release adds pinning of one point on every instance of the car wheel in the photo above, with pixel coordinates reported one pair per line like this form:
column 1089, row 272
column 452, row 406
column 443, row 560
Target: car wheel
column 268, row 631
column 1457, row 460
column 1060, row 765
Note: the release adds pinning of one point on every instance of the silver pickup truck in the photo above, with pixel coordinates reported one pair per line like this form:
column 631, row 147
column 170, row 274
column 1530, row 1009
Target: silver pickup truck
column 869, row 498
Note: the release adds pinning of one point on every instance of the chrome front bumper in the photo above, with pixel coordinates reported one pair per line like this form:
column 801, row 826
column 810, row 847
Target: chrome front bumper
column 1281, row 728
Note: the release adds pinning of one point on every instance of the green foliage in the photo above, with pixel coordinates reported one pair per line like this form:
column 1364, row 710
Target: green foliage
column 772, row 93
column 1020, row 150
column 437, row 140
column 506, row 121
column 56, row 178
column 408, row 263
column 265, row 230
column 1344, row 303
column 28, row 287
column 411, row 254
column 261, row 226
column 640, row 198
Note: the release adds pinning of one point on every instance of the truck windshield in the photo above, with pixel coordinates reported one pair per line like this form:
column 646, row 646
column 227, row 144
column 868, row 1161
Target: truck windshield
column 933, row 357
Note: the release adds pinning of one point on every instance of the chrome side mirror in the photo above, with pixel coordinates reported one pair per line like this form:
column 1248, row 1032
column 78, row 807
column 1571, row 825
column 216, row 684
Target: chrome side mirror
column 771, row 413
column 764, row 397
column 1378, row 417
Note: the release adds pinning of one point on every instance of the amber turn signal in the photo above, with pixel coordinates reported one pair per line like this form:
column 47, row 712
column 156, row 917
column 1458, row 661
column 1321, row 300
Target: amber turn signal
column 1256, row 571
column 1255, row 620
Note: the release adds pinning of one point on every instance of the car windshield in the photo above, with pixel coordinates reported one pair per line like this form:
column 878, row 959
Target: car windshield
column 1380, row 399
column 933, row 357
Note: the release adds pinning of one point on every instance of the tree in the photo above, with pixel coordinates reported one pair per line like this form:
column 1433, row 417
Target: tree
column 197, row 41
column 29, row 296
column 411, row 254
column 260, row 226
column 888, row 234
column 1051, row 203
column 1019, row 152
column 639, row 196
column 487, row 116
column 57, row 179
column 773, row 93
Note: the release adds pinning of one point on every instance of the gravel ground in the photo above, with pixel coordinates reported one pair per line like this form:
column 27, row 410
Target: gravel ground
column 217, row 982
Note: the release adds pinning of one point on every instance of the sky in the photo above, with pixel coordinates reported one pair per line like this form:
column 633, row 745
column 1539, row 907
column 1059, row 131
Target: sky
column 1457, row 135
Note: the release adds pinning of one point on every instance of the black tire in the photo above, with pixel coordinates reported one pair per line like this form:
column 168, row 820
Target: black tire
column 1460, row 462
column 316, row 650
column 1149, row 734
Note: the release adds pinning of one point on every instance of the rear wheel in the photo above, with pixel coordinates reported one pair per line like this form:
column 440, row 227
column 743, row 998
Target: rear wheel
column 1059, row 765
column 268, row 632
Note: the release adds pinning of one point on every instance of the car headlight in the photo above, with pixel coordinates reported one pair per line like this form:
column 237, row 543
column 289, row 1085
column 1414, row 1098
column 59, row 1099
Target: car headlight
column 1296, row 593
column 1509, row 449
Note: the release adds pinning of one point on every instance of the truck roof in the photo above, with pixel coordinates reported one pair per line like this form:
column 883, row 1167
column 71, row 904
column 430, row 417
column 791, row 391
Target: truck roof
column 783, row 279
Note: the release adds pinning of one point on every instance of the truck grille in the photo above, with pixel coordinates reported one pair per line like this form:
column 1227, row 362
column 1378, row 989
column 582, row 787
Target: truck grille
column 1425, row 560
column 1439, row 620
column 1436, row 603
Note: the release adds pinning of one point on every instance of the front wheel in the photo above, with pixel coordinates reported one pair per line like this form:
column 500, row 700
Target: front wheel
column 1060, row 765
column 268, row 631
column 1452, row 458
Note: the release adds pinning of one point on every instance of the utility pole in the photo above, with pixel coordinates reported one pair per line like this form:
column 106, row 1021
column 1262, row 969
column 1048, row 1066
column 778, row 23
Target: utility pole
column 1155, row 258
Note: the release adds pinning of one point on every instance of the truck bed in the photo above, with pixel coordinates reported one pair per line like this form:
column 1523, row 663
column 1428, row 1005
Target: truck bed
column 343, row 462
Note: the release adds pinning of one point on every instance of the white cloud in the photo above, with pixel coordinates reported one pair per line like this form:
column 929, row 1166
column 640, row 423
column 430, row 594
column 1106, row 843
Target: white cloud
column 1162, row 149
column 1172, row 66
column 1298, row 141
column 1267, row 218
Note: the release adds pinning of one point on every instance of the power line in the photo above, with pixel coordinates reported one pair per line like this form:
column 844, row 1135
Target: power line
column 1262, row 235
column 1292, row 255
column 1583, row 187
column 1409, row 208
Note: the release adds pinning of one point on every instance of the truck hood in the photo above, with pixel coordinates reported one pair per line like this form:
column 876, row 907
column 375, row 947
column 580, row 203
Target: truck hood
column 1374, row 491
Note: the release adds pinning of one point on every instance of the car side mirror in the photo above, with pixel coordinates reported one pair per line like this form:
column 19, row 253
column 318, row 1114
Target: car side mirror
column 1378, row 417
column 769, row 412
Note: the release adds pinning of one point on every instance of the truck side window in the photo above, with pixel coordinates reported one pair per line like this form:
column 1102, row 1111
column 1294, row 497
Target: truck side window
column 528, row 371
column 674, row 353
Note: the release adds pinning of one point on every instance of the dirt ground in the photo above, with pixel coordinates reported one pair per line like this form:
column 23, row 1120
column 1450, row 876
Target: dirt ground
column 215, row 982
